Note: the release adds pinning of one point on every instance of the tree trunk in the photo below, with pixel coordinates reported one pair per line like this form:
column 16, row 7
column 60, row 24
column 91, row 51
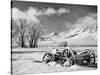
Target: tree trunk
column 22, row 42
column 35, row 43
column 31, row 43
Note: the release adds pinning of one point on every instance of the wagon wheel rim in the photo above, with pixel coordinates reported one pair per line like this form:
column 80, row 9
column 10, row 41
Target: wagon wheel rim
column 67, row 53
column 69, row 62
column 92, row 57
column 47, row 57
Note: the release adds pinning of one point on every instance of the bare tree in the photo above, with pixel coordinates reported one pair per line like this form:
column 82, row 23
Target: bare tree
column 15, row 33
column 22, row 26
column 19, row 32
column 36, row 30
column 27, row 30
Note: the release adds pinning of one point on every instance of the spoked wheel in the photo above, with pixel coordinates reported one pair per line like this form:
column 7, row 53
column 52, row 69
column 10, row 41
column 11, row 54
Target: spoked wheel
column 92, row 57
column 69, row 62
column 68, row 55
column 47, row 58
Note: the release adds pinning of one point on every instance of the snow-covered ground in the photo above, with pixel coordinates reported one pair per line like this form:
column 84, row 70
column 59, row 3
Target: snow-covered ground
column 29, row 61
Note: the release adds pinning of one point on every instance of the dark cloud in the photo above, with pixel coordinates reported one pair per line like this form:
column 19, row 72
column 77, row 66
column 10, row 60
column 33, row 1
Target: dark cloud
column 55, row 17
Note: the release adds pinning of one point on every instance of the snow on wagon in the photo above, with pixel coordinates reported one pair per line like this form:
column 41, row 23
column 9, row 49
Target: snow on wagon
column 69, row 57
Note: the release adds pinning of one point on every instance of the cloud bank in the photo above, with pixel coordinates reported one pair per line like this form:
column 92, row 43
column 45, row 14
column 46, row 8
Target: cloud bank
column 33, row 14
column 88, row 21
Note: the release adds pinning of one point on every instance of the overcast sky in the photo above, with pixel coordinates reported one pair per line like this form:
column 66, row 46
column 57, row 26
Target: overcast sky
column 54, row 17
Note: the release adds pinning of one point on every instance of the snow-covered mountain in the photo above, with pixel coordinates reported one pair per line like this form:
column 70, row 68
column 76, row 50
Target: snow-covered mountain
column 83, row 32
column 81, row 35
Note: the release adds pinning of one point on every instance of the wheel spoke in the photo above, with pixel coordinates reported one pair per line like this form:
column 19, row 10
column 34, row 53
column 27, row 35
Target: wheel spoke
column 47, row 57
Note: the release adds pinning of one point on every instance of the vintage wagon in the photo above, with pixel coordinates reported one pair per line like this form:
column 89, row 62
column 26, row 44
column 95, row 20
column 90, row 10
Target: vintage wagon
column 69, row 57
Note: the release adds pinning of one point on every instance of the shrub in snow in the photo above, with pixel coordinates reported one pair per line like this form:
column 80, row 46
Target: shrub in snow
column 63, row 44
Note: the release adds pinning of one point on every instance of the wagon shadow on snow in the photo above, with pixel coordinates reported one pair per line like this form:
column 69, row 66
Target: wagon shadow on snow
column 37, row 61
column 91, row 65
